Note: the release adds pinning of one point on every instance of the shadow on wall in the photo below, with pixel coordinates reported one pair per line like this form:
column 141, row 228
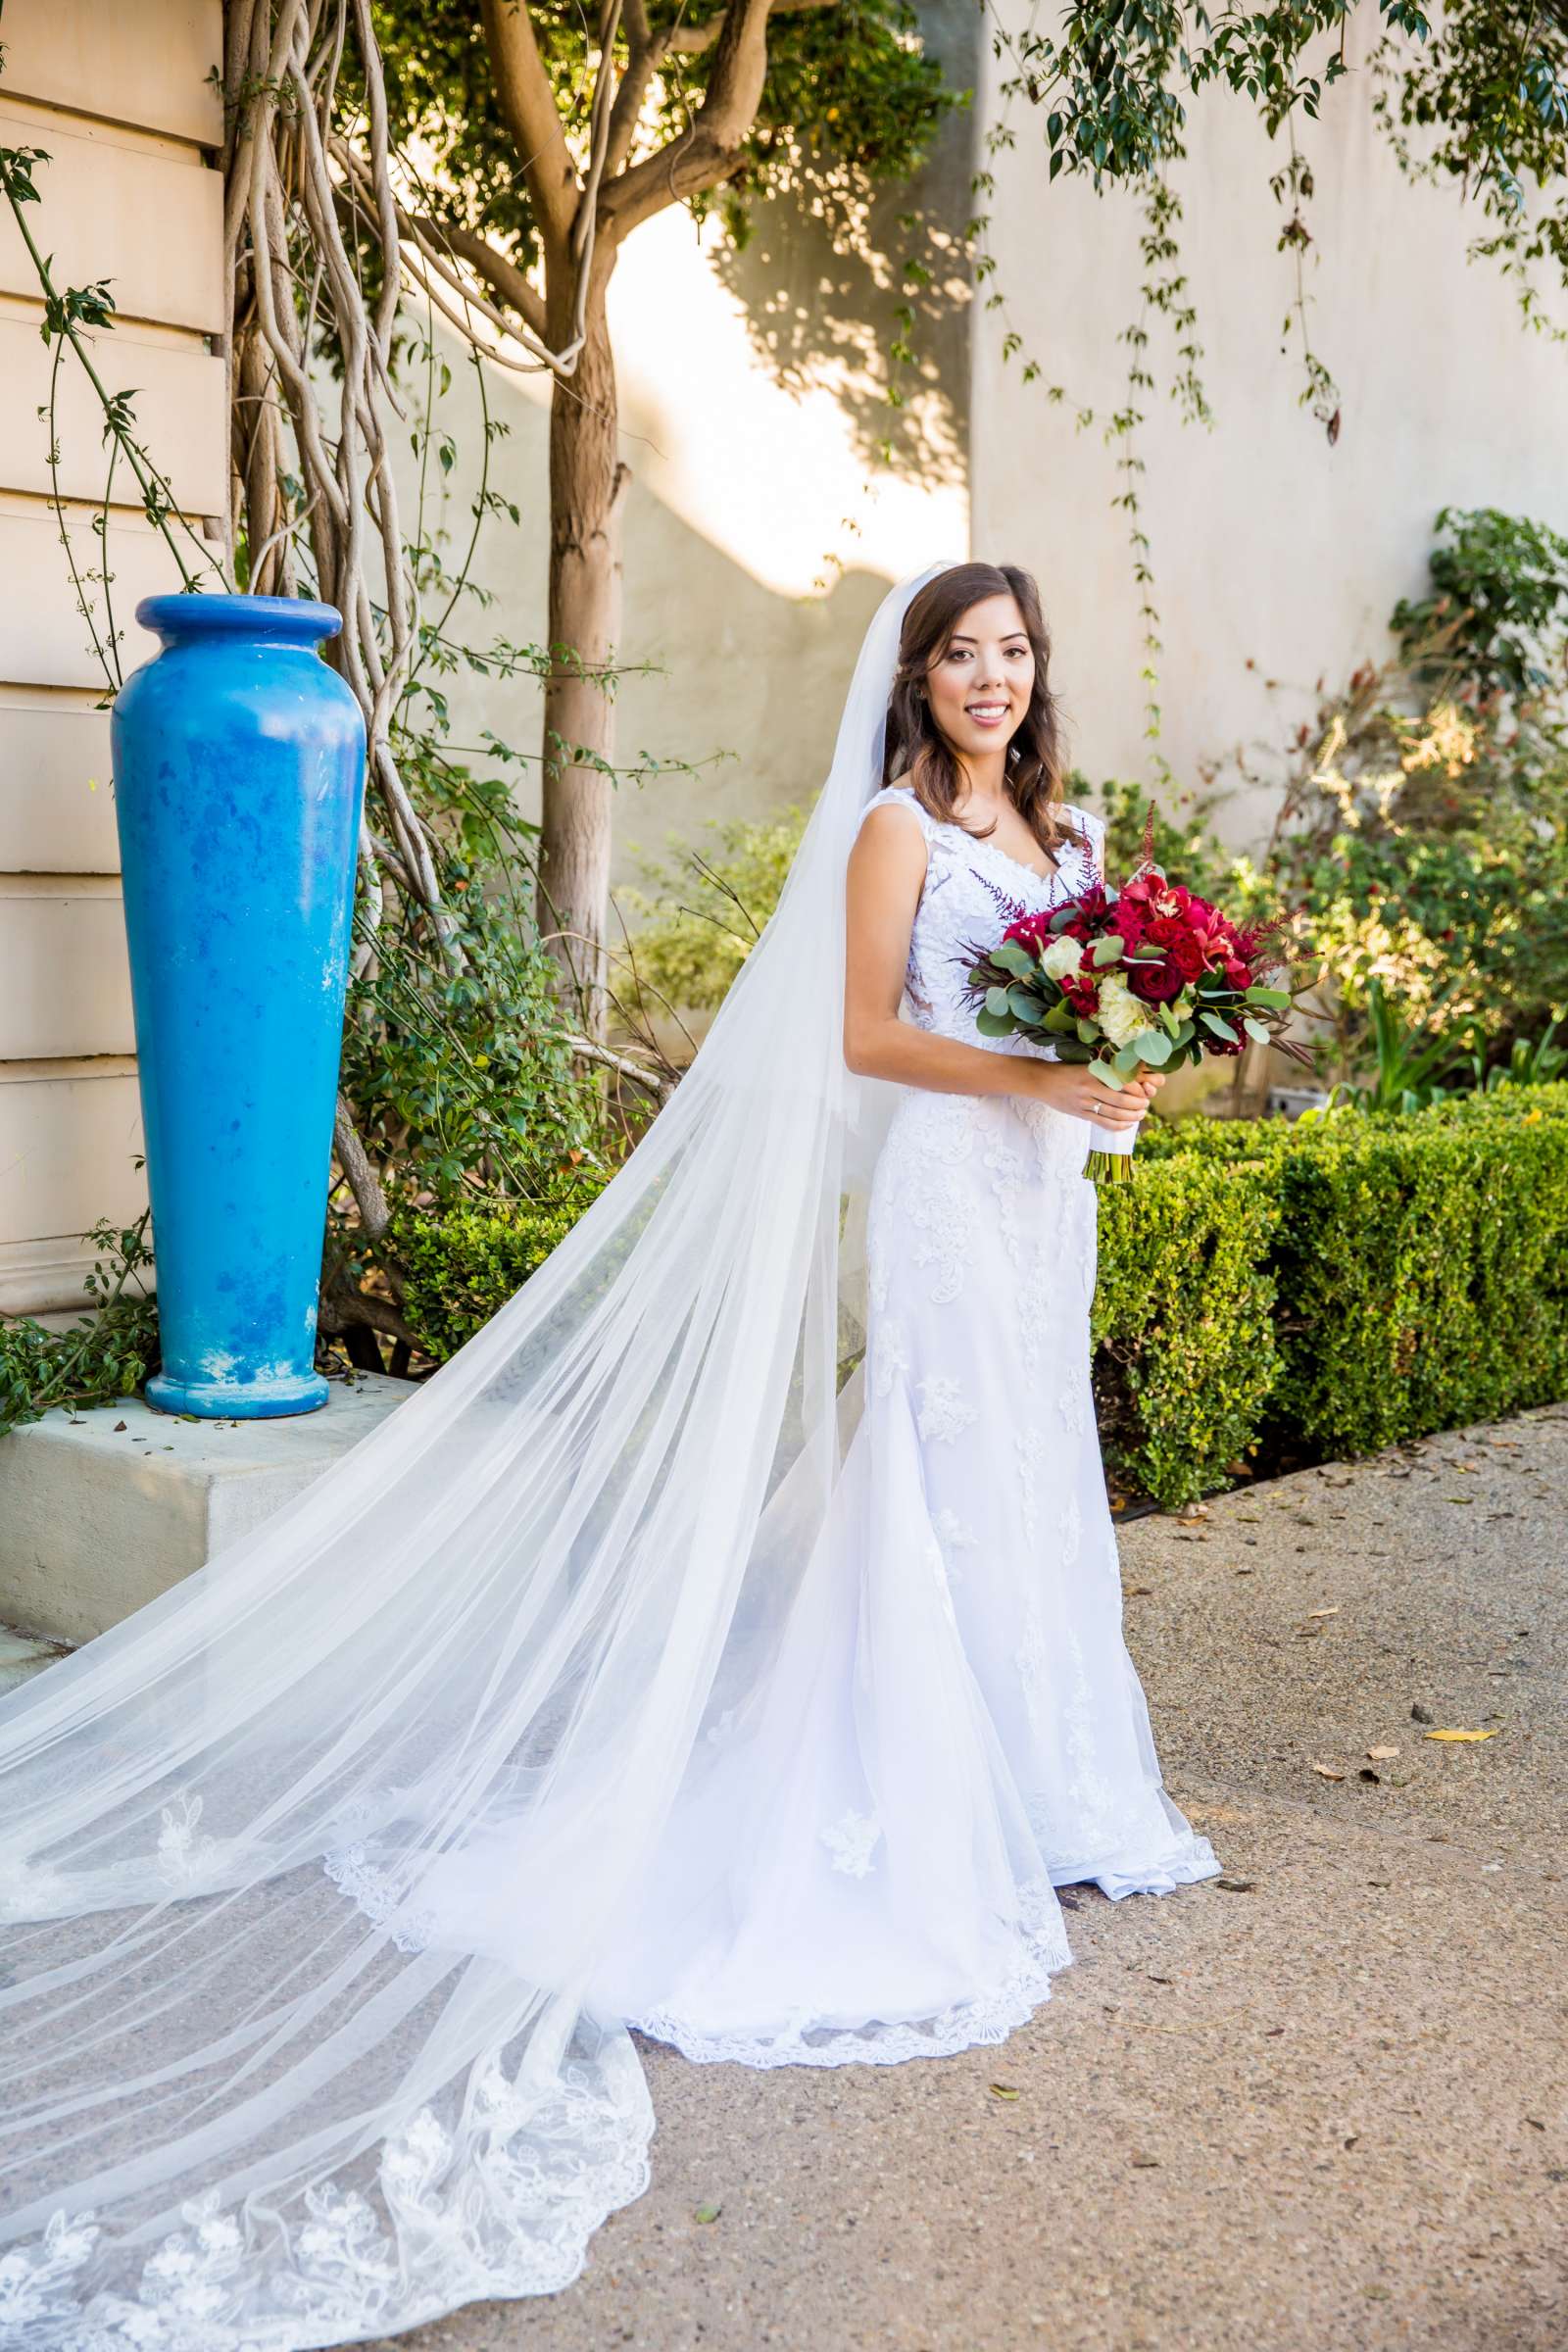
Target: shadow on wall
column 820, row 292
column 744, row 683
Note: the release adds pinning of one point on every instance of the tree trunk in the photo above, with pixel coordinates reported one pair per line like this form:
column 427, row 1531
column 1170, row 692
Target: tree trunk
column 587, row 494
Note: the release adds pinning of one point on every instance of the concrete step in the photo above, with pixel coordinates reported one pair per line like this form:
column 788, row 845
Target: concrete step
column 102, row 1510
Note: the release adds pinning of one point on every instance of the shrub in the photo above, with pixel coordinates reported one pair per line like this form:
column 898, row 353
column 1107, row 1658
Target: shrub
column 1423, row 1277
column 461, row 1263
column 1418, row 1266
column 1338, row 1284
column 1184, row 1321
column 703, row 915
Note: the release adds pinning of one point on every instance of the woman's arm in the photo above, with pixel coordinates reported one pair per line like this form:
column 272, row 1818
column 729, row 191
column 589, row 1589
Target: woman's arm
column 886, row 874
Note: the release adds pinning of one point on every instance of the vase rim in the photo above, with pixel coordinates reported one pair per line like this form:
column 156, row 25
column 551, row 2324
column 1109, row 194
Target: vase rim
column 295, row 620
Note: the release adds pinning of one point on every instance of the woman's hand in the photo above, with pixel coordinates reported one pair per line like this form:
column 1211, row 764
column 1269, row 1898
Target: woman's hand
column 1073, row 1087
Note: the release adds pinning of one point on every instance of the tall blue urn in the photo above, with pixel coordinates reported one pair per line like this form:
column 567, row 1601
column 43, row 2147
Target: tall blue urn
column 239, row 772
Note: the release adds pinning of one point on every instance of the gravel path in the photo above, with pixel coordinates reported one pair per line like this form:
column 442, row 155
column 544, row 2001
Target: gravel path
column 1319, row 2104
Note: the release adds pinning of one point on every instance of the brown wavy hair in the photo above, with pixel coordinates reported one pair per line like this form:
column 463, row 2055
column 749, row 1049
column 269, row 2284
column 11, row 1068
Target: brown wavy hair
column 917, row 754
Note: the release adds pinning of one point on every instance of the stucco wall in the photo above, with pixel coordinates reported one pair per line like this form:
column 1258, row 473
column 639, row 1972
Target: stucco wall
column 120, row 100
column 1268, row 544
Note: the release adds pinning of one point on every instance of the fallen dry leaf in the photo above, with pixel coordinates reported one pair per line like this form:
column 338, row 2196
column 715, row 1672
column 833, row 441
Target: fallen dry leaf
column 1381, row 1756
column 1329, row 1772
column 1003, row 2090
column 1334, row 1612
column 1458, row 1736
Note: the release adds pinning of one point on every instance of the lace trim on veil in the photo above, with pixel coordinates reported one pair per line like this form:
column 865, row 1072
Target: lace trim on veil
column 548, row 2170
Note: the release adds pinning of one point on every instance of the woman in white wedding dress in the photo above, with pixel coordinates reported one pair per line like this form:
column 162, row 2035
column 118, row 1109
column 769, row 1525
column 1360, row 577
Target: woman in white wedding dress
column 642, row 1670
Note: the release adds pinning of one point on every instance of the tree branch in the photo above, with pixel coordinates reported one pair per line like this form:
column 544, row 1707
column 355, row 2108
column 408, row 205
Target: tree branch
column 501, row 276
column 527, row 105
column 709, row 150
column 695, row 40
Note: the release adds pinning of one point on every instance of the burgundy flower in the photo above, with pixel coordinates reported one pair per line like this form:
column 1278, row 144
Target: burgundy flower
column 1156, row 983
column 1188, row 956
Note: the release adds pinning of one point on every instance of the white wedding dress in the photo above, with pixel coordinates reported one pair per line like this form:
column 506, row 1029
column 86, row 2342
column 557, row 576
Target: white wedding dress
column 863, row 1863
column 640, row 1671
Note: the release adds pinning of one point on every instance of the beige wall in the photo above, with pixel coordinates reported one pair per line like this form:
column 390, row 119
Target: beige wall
column 120, row 98
column 1269, row 545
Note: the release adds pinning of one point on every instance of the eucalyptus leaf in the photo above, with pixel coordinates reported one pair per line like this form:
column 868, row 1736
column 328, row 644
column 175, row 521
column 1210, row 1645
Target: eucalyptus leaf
column 1277, row 997
column 1255, row 1030
column 991, row 1024
column 1026, row 1005
column 1014, row 959
column 998, row 1002
column 1088, row 1032
column 1151, row 1046
column 1107, row 949
column 1107, row 1070
column 1061, row 1020
column 1221, row 1028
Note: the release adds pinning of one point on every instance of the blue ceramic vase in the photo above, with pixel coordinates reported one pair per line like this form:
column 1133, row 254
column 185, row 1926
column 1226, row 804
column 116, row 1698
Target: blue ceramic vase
column 239, row 772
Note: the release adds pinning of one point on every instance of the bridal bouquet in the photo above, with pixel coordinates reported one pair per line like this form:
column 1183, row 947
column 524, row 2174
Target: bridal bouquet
column 1132, row 980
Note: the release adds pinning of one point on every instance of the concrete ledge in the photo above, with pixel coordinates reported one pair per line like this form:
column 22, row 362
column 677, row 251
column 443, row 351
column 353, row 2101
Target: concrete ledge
column 102, row 1510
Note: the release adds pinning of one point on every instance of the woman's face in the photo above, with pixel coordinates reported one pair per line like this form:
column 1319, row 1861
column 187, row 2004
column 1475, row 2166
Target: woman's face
column 979, row 686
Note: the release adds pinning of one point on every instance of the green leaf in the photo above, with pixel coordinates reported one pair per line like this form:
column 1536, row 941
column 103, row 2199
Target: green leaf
column 1061, row 1021
column 1107, row 949
column 1026, row 1006
column 991, row 1024
column 1151, row 1046
column 1211, row 1020
column 1088, row 1034
column 1107, row 1071
column 997, row 1002
column 1126, row 1061
column 1277, row 998
column 1255, row 1030
column 1014, row 959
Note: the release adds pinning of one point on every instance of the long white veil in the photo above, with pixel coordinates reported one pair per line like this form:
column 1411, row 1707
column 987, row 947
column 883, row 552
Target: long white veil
column 247, row 2103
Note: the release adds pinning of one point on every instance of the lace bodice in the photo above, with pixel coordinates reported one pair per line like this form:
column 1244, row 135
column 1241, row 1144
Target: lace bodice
column 973, row 891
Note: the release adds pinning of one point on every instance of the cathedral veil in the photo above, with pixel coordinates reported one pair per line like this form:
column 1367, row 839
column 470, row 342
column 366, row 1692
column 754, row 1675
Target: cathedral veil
column 249, row 2104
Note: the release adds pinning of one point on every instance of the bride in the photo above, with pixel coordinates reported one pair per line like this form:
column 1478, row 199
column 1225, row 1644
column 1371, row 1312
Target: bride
column 726, row 1644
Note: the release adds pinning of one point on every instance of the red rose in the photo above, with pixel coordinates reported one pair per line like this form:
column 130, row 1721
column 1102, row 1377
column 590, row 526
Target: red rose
column 1156, row 983
column 1164, row 931
column 1237, row 973
column 1187, row 957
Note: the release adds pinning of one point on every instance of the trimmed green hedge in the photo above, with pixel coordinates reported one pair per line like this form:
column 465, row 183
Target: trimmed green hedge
column 1336, row 1285
column 1187, row 1354
column 463, row 1263
column 1417, row 1267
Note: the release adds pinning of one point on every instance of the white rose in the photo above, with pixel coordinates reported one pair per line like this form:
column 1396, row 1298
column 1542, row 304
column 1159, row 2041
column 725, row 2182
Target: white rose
column 1121, row 1016
column 1064, row 956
